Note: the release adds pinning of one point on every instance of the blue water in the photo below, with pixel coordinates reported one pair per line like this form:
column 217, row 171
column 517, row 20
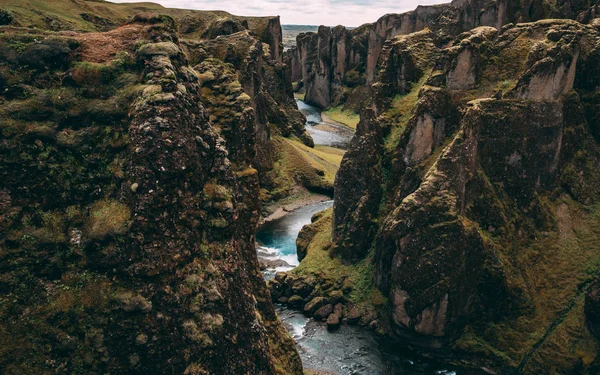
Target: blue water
column 351, row 350
column 277, row 238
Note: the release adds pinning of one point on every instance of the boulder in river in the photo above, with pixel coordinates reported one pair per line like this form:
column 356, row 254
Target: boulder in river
column 333, row 321
column 272, row 263
column 314, row 304
column 295, row 301
column 323, row 312
column 338, row 309
column 353, row 315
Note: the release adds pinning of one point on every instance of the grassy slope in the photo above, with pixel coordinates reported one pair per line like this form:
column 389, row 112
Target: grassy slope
column 33, row 12
column 299, row 168
column 67, row 14
column 338, row 114
column 359, row 275
column 556, row 268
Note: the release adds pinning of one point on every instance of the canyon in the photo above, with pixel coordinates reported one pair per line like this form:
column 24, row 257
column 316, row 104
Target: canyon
column 143, row 146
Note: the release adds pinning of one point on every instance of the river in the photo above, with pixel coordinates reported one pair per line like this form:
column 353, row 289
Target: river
column 351, row 350
column 324, row 133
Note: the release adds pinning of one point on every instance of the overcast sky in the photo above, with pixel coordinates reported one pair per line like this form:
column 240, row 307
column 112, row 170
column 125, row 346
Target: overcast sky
column 303, row 12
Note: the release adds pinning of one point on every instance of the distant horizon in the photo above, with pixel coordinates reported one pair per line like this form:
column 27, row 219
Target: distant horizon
column 349, row 13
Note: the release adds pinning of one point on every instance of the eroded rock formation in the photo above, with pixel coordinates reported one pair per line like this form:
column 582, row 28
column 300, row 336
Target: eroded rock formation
column 476, row 167
column 128, row 210
column 333, row 61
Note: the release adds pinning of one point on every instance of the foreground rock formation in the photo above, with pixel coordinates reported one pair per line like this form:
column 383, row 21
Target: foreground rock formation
column 466, row 209
column 129, row 197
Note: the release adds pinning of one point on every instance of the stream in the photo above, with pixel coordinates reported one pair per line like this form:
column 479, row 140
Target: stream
column 350, row 350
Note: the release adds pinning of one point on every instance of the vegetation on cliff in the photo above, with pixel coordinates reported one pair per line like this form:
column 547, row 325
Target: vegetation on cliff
column 128, row 202
column 469, row 191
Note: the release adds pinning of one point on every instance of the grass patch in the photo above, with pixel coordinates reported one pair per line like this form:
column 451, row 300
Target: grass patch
column 555, row 268
column 359, row 275
column 400, row 112
column 345, row 117
column 107, row 217
column 310, row 167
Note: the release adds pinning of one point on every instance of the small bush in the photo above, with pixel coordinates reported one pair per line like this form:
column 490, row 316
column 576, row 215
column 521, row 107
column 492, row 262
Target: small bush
column 46, row 55
column 6, row 17
column 352, row 78
column 90, row 74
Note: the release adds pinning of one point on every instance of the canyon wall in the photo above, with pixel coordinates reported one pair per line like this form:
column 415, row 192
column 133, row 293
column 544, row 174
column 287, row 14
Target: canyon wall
column 331, row 63
column 471, row 186
column 131, row 175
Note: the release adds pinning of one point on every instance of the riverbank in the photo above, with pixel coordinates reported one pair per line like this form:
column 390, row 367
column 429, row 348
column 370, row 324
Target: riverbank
column 293, row 203
column 338, row 116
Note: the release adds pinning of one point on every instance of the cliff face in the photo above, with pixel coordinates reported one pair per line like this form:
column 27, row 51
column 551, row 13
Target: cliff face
column 337, row 60
column 128, row 205
column 479, row 190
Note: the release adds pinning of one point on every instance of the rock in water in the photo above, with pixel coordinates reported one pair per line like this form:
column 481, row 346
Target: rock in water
column 323, row 312
column 314, row 304
column 333, row 321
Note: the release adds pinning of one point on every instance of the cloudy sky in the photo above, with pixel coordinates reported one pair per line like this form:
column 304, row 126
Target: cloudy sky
column 303, row 12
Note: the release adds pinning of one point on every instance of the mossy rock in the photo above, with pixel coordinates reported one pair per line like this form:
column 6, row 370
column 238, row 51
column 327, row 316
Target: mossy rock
column 107, row 217
column 169, row 49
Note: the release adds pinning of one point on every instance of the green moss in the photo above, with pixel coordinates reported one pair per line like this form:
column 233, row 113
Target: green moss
column 360, row 288
column 169, row 49
column 345, row 117
column 53, row 228
column 217, row 193
column 555, row 268
column 399, row 112
column 107, row 217
column 247, row 172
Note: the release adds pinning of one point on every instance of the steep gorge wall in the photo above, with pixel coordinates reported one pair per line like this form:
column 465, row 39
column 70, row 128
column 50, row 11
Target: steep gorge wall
column 480, row 167
column 128, row 205
column 332, row 62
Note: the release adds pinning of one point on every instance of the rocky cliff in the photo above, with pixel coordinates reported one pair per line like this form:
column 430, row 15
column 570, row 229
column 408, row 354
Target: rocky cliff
column 333, row 62
column 477, row 202
column 129, row 198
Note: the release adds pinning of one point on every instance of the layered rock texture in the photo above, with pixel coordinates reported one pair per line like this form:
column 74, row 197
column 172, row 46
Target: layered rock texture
column 471, row 187
column 335, row 66
column 130, row 193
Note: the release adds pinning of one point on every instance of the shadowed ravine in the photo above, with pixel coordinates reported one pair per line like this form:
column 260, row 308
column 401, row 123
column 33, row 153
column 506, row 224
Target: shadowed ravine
column 351, row 349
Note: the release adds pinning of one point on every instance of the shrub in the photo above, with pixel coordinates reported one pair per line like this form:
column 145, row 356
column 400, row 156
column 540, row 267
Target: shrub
column 91, row 74
column 6, row 17
column 46, row 55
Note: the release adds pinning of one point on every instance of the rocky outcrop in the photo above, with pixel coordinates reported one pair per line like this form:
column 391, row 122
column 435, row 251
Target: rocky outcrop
column 358, row 191
column 470, row 171
column 128, row 211
column 336, row 60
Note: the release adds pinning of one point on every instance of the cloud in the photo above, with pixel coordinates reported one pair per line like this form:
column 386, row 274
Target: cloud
column 302, row 12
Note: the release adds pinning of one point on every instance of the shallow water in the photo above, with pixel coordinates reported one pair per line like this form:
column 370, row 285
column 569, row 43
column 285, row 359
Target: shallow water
column 324, row 133
column 277, row 238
